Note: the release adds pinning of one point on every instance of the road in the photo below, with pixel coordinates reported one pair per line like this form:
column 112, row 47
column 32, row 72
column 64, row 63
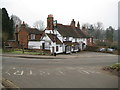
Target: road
column 78, row 70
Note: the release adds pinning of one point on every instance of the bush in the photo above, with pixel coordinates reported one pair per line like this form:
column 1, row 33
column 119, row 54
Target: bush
column 92, row 48
column 115, row 66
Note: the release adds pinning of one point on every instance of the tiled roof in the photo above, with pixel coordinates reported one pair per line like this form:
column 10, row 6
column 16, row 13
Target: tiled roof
column 34, row 31
column 69, row 31
column 54, row 38
column 69, row 43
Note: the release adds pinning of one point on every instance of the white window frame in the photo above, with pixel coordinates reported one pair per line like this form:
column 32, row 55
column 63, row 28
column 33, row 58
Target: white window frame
column 32, row 36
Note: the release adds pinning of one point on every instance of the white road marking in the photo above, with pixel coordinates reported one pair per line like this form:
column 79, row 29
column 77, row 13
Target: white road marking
column 85, row 71
column 48, row 73
column 18, row 72
column 22, row 73
column 94, row 72
column 61, row 72
column 7, row 73
column 30, row 72
column 41, row 72
column 14, row 68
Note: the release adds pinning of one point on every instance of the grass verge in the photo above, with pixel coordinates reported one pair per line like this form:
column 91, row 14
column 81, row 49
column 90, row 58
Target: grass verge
column 114, row 69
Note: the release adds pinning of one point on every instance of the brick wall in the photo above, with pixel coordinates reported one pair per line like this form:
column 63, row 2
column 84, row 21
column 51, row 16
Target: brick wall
column 90, row 41
column 50, row 22
column 23, row 37
column 13, row 44
column 37, row 36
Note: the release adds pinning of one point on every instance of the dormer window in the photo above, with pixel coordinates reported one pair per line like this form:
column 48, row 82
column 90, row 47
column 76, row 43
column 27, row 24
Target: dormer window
column 32, row 36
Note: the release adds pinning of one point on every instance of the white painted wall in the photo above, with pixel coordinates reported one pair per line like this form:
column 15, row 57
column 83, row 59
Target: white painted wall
column 49, row 31
column 70, row 38
column 49, row 46
column 84, row 40
column 34, row 44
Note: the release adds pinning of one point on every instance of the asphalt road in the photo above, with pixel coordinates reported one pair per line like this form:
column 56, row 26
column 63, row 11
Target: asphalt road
column 81, row 70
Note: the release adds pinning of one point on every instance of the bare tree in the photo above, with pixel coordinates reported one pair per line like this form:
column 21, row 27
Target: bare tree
column 86, row 25
column 17, row 20
column 98, row 30
column 39, row 25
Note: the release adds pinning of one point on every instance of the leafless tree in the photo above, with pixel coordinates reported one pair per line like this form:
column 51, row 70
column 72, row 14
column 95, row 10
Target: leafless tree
column 39, row 25
column 17, row 20
column 86, row 25
column 98, row 30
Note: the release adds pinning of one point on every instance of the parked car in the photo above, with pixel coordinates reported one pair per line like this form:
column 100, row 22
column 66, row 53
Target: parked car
column 102, row 49
column 110, row 49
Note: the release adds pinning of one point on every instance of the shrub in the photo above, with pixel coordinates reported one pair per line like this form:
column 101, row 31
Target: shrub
column 115, row 66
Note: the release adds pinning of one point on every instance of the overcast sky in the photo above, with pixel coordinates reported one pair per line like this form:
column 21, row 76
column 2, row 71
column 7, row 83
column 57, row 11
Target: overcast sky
column 84, row 11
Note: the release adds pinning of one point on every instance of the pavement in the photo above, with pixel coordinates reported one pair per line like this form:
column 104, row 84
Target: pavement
column 37, row 56
column 59, row 56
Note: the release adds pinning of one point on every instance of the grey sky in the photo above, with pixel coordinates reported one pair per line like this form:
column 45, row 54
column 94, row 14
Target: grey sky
column 84, row 11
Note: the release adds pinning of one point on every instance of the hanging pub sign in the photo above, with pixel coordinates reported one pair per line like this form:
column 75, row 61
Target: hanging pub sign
column 55, row 24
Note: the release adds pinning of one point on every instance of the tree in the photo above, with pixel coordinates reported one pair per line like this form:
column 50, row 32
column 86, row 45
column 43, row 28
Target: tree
column 109, row 34
column 98, row 30
column 39, row 25
column 16, row 20
column 7, row 26
column 12, row 29
column 91, row 30
column 86, row 25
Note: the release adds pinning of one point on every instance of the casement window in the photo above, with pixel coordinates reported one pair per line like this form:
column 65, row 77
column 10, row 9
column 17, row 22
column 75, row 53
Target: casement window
column 32, row 36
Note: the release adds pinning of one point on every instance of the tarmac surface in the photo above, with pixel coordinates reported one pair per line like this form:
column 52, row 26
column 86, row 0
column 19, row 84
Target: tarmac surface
column 77, row 70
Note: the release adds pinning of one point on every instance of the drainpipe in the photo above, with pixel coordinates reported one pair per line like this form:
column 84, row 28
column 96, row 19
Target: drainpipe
column 55, row 38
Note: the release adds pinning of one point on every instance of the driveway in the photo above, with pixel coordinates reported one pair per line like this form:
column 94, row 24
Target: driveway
column 78, row 70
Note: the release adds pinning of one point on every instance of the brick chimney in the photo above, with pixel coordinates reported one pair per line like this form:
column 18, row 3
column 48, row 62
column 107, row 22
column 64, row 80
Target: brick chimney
column 78, row 25
column 16, row 29
column 50, row 22
column 23, row 24
column 73, row 23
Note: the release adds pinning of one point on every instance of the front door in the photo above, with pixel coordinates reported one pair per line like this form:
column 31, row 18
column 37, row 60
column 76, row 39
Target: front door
column 43, row 45
column 53, row 50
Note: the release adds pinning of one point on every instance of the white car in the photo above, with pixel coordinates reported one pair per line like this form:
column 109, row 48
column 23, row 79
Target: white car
column 110, row 49
column 102, row 49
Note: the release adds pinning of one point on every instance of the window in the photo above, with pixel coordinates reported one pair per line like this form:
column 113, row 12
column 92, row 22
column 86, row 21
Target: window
column 83, row 39
column 32, row 36
column 75, row 39
column 67, row 38
column 56, row 48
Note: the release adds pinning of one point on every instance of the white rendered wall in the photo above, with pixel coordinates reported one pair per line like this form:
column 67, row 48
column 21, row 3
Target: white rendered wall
column 34, row 44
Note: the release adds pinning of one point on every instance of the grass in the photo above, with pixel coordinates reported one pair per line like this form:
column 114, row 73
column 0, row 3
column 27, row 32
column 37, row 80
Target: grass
column 25, row 52
column 0, row 50
column 115, row 66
